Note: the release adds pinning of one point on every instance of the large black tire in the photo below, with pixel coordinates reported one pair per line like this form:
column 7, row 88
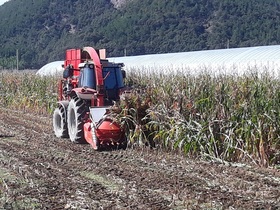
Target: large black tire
column 75, row 114
column 60, row 123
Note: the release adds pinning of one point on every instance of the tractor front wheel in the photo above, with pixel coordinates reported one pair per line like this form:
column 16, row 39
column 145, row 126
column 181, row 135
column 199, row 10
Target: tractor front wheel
column 59, row 123
column 76, row 112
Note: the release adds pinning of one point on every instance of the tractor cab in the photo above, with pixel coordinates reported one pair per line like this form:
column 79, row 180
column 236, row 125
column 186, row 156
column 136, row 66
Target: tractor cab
column 113, row 81
column 87, row 76
column 113, row 78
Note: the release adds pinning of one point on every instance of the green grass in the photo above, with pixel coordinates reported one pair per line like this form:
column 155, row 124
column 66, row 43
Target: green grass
column 108, row 183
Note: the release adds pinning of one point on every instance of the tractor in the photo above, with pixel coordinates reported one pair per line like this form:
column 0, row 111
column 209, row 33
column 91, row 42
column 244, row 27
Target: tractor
column 90, row 86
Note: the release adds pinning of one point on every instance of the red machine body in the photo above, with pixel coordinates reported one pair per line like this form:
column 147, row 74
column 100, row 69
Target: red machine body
column 90, row 85
column 74, row 57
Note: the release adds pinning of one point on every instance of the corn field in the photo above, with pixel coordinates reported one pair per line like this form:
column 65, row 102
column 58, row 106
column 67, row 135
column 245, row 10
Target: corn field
column 23, row 90
column 227, row 118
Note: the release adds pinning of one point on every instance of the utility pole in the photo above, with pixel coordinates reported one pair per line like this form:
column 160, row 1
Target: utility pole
column 17, row 58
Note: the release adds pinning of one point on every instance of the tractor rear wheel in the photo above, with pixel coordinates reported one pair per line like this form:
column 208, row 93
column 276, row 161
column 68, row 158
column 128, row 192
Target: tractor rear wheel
column 60, row 123
column 76, row 112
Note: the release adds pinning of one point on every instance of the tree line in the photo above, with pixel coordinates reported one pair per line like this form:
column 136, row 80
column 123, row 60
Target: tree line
column 41, row 30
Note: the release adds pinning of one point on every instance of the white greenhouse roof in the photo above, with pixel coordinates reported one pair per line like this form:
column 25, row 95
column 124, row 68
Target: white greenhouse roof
column 234, row 60
column 51, row 68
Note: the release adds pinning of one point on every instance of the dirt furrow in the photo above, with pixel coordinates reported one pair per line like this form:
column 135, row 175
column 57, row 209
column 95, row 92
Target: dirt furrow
column 41, row 170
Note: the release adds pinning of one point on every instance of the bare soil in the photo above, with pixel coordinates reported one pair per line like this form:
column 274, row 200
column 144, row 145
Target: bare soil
column 40, row 171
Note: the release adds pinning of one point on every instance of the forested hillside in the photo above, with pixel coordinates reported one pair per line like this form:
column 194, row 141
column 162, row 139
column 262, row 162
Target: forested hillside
column 41, row 30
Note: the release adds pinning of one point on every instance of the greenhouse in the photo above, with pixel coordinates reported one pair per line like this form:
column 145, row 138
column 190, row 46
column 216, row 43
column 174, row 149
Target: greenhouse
column 228, row 61
column 51, row 68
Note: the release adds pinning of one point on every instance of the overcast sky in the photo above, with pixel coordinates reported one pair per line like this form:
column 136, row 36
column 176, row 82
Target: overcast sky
column 2, row 1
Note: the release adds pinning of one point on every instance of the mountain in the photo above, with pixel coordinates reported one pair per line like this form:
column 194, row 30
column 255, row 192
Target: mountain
column 41, row 30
